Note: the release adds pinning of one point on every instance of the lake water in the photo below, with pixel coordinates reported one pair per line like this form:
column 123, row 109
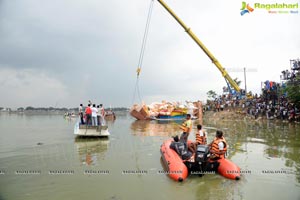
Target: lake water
column 40, row 158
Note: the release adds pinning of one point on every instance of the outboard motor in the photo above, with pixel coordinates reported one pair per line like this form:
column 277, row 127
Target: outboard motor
column 202, row 154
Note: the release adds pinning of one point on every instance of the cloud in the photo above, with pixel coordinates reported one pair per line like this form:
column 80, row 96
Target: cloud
column 92, row 47
column 22, row 87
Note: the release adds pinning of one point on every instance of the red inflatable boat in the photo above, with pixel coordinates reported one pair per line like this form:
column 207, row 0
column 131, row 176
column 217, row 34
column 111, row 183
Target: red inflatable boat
column 178, row 170
column 228, row 169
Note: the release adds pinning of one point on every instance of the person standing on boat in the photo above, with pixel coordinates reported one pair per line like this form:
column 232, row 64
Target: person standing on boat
column 88, row 114
column 218, row 146
column 186, row 127
column 94, row 115
column 102, row 111
column 81, row 113
column 99, row 115
column 201, row 139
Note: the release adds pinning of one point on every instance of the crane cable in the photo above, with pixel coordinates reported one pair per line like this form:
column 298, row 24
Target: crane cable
column 140, row 63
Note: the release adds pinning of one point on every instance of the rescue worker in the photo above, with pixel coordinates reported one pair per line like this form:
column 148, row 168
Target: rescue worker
column 186, row 127
column 200, row 139
column 218, row 146
column 180, row 147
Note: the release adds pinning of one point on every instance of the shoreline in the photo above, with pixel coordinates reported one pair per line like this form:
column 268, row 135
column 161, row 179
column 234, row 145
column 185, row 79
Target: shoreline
column 237, row 114
column 32, row 112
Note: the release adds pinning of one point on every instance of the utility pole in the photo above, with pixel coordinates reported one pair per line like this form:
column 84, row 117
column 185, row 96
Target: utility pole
column 245, row 80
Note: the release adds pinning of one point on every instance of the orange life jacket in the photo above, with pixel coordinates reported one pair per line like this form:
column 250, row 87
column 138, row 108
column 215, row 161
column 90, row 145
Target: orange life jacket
column 185, row 128
column 201, row 139
column 215, row 147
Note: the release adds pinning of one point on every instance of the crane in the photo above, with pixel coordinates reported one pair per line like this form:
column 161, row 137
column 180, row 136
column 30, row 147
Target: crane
column 224, row 73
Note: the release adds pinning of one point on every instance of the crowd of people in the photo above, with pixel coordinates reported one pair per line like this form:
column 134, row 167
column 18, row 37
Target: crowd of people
column 283, row 109
column 92, row 114
column 268, row 106
column 271, row 104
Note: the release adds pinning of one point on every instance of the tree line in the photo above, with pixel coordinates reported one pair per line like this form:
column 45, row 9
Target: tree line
column 31, row 108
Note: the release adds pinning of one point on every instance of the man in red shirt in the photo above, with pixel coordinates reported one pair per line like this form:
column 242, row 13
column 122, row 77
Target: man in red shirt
column 88, row 113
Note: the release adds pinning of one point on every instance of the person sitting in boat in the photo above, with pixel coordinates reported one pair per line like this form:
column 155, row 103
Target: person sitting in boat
column 218, row 146
column 180, row 146
column 186, row 127
column 201, row 139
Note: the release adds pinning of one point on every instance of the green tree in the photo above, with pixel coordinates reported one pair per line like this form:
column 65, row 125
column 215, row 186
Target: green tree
column 29, row 108
column 20, row 109
column 211, row 94
column 238, row 82
column 293, row 91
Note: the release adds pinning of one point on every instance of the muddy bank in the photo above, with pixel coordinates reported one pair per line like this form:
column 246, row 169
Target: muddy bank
column 236, row 115
column 232, row 115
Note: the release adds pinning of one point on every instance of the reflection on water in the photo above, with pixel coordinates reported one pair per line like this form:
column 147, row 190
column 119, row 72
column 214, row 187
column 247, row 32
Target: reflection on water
column 275, row 144
column 155, row 128
column 260, row 147
column 91, row 150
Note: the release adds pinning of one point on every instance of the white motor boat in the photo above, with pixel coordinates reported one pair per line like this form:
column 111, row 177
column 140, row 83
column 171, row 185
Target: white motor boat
column 91, row 131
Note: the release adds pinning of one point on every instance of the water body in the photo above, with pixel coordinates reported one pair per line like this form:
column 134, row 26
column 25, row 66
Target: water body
column 40, row 158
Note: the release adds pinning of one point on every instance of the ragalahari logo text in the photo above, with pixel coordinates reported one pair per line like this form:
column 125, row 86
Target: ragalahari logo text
column 246, row 8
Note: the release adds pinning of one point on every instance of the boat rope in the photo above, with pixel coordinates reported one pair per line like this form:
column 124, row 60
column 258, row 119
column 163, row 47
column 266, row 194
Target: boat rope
column 142, row 52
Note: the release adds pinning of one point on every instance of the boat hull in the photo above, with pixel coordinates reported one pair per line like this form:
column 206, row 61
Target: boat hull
column 169, row 117
column 139, row 112
column 91, row 131
column 177, row 112
column 110, row 117
column 228, row 169
column 176, row 169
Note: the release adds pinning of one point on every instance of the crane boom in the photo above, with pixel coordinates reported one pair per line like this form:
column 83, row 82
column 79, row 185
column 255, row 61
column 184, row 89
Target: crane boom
column 202, row 46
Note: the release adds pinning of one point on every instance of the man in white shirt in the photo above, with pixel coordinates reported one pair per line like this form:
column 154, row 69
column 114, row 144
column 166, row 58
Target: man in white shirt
column 102, row 115
column 218, row 146
column 94, row 115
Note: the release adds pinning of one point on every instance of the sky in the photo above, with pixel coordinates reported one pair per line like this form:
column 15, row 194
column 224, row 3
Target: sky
column 61, row 53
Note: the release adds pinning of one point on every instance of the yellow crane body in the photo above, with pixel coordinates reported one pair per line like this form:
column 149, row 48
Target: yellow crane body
column 202, row 46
